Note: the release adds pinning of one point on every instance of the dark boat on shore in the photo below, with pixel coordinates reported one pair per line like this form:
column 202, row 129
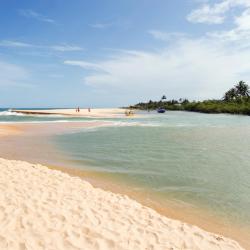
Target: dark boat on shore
column 161, row 110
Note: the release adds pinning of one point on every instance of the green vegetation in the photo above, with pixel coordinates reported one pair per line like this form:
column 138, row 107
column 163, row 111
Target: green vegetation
column 235, row 101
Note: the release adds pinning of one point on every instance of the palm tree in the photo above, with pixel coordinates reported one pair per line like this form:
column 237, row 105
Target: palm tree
column 242, row 89
column 230, row 95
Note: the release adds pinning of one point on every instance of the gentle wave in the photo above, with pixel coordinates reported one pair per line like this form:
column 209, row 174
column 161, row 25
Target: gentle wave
column 10, row 113
column 105, row 125
column 134, row 124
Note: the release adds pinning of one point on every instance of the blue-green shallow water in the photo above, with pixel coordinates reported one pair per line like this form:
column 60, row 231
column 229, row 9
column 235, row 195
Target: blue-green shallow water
column 201, row 159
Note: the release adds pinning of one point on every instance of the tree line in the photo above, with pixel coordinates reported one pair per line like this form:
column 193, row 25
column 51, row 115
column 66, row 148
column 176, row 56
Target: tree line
column 235, row 101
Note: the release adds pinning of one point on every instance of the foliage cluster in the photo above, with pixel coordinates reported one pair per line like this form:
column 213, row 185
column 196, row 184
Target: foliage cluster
column 235, row 101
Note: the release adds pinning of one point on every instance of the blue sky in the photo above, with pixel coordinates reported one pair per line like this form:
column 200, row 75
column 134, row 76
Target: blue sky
column 113, row 53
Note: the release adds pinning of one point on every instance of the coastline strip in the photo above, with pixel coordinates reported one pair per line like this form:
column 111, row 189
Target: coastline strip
column 95, row 113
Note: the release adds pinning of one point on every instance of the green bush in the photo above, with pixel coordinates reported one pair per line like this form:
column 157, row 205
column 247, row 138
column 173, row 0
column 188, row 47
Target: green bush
column 235, row 101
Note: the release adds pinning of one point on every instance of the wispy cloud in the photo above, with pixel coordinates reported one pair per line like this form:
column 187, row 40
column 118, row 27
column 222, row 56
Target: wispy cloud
column 7, row 43
column 85, row 65
column 66, row 47
column 101, row 25
column 32, row 14
column 14, row 75
column 22, row 45
column 215, row 13
column 208, row 14
column 239, row 35
column 166, row 36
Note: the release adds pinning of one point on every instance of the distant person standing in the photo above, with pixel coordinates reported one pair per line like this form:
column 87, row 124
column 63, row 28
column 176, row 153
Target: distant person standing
column 78, row 109
column 89, row 109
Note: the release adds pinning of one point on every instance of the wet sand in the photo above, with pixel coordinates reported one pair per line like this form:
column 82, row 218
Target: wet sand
column 6, row 130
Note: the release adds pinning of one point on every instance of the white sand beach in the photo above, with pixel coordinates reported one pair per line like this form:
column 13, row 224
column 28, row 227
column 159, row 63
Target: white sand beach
column 84, row 112
column 41, row 208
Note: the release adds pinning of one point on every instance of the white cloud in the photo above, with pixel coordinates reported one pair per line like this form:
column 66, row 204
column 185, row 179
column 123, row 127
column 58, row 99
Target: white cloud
column 65, row 47
column 208, row 14
column 166, row 36
column 195, row 68
column 59, row 47
column 32, row 14
column 240, row 33
column 191, row 68
column 6, row 43
column 84, row 65
column 100, row 25
column 215, row 13
column 243, row 21
column 13, row 75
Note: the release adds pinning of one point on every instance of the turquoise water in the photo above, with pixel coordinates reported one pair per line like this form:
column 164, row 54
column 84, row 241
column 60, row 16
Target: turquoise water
column 199, row 159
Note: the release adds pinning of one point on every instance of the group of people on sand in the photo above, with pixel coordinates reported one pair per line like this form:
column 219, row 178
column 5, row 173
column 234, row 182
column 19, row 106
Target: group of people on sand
column 78, row 110
column 129, row 112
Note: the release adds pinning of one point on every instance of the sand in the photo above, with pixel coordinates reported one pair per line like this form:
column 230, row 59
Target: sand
column 94, row 113
column 6, row 130
column 41, row 208
column 48, row 128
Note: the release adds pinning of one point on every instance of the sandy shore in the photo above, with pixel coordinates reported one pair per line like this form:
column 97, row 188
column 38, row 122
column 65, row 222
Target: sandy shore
column 6, row 130
column 94, row 113
column 48, row 128
column 42, row 208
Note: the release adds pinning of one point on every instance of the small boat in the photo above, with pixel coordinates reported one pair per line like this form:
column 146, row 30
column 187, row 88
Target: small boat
column 161, row 110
